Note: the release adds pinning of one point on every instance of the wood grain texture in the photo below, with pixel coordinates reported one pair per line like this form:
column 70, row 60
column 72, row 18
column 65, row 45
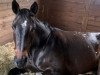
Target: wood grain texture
column 83, row 14
column 74, row 15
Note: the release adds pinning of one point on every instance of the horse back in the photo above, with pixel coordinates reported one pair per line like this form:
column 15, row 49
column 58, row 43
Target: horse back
column 79, row 53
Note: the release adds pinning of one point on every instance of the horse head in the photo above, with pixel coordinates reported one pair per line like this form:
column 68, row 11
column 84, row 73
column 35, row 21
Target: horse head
column 23, row 31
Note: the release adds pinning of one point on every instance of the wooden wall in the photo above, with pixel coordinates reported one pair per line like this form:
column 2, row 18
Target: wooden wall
column 7, row 16
column 79, row 15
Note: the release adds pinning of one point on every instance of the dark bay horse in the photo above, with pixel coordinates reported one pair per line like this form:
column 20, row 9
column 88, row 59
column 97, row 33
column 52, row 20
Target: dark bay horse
column 52, row 51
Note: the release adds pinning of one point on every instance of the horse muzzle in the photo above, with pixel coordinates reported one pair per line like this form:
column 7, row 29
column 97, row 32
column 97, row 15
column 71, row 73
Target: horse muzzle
column 20, row 59
column 20, row 63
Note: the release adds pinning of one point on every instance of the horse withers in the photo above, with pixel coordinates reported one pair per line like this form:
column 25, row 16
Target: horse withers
column 52, row 51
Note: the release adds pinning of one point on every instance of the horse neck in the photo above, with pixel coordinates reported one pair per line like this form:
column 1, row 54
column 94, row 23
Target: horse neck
column 42, row 31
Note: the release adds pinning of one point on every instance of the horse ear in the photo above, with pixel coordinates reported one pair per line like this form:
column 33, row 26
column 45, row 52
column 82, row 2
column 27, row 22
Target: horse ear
column 15, row 6
column 34, row 7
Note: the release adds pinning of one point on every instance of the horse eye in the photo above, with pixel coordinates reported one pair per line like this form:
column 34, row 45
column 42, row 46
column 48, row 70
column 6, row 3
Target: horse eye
column 13, row 27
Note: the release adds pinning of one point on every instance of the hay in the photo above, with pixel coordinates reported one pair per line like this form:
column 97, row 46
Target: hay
column 6, row 59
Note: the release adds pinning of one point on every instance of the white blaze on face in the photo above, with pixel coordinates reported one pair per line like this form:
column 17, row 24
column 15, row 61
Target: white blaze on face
column 24, row 24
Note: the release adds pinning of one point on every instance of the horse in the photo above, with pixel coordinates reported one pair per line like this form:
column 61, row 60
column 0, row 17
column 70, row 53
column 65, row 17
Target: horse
column 39, row 47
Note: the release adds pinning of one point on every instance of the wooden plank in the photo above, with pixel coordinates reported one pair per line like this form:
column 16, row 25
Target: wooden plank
column 88, row 4
column 9, row 1
column 61, row 18
column 65, row 6
column 94, row 18
column 5, row 25
column 5, row 31
column 95, row 7
column 5, row 1
column 6, row 38
column 91, row 18
column 6, row 20
column 7, row 6
column 93, row 28
column 95, row 12
column 94, row 23
column 97, row 18
column 97, row 2
column 9, row 12
column 76, row 1
column 6, row 13
column 19, row 1
column 66, row 13
column 66, row 25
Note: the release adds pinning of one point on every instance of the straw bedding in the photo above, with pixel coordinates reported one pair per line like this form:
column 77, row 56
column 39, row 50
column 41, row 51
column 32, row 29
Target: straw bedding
column 6, row 59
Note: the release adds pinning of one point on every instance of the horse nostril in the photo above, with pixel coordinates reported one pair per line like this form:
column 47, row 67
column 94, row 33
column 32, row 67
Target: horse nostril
column 18, row 64
column 21, row 63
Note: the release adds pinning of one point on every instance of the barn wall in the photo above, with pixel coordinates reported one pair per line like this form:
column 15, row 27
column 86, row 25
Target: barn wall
column 6, row 18
column 94, row 16
column 79, row 15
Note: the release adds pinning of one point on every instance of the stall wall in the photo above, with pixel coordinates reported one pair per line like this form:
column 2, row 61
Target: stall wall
column 76, row 15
